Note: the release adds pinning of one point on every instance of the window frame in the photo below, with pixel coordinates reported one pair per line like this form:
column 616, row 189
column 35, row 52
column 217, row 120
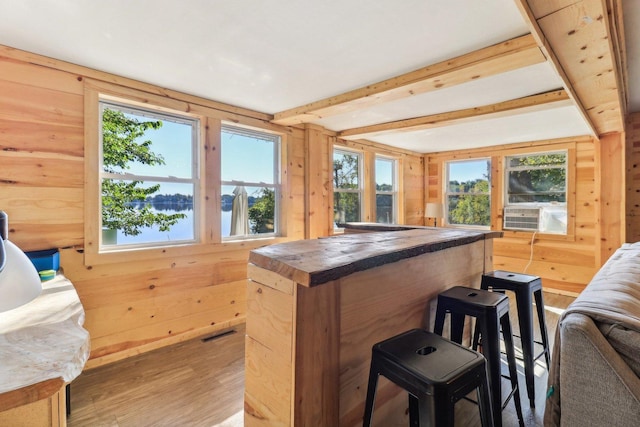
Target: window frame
column 447, row 193
column 569, row 181
column 277, row 173
column 571, row 149
column 508, row 168
column 211, row 120
column 361, row 182
column 394, row 192
column 194, row 180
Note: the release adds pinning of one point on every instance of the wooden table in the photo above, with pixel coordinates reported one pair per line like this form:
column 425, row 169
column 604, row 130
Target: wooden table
column 315, row 308
column 43, row 346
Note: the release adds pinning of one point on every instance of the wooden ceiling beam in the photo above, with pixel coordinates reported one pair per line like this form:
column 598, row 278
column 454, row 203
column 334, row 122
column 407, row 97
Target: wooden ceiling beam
column 506, row 56
column 539, row 102
column 582, row 40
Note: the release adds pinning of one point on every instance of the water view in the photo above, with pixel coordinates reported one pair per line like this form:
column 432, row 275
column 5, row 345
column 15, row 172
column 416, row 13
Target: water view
column 182, row 230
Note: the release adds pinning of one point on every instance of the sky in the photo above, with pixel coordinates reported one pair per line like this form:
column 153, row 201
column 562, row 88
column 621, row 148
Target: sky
column 462, row 171
column 247, row 158
column 244, row 158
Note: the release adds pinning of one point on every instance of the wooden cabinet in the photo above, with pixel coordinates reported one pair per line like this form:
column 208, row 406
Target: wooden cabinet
column 48, row 411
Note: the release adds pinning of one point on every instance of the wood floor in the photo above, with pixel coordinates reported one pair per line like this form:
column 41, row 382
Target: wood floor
column 201, row 383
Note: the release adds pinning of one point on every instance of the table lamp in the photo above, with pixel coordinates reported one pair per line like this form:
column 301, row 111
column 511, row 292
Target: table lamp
column 435, row 211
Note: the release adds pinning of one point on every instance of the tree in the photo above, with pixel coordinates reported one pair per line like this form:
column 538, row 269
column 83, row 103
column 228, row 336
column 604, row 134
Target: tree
column 472, row 206
column 121, row 200
column 262, row 212
column 346, row 205
column 541, row 178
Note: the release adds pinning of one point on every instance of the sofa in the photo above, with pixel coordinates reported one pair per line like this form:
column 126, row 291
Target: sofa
column 595, row 369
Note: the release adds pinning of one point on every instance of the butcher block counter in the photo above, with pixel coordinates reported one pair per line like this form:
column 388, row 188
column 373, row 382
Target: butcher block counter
column 315, row 308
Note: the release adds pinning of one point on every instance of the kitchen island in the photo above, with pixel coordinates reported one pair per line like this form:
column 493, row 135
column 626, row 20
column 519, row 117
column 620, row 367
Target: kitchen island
column 315, row 308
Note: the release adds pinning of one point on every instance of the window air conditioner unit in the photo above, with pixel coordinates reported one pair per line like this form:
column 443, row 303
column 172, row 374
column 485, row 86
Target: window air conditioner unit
column 519, row 218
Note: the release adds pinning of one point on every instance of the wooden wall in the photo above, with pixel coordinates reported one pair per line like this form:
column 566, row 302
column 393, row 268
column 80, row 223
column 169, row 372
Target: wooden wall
column 319, row 181
column 566, row 264
column 411, row 182
column 632, row 219
column 142, row 303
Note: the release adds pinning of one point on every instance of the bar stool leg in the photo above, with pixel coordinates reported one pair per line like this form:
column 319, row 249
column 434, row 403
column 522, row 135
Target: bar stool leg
column 476, row 337
column 371, row 393
column 543, row 326
column 444, row 415
column 511, row 362
column 439, row 323
column 525, row 317
column 491, row 348
column 457, row 327
column 414, row 411
column 484, row 402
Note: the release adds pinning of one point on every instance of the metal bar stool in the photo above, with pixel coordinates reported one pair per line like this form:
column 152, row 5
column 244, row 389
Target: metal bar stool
column 491, row 311
column 434, row 371
column 524, row 287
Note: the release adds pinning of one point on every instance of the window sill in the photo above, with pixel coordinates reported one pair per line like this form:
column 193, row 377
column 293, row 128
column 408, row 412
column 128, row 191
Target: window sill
column 544, row 236
column 171, row 252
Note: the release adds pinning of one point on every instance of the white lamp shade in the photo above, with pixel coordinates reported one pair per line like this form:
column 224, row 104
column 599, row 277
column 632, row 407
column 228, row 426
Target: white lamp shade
column 19, row 281
column 433, row 210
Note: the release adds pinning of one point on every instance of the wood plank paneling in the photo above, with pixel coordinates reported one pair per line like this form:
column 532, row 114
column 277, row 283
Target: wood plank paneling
column 565, row 263
column 267, row 399
column 611, row 151
column 499, row 58
column 318, row 183
column 411, row 171
column 42, row 155
column 581, row 36
column 412, row 196
column 632, row 184
column 271, row 318
column 317, row 344
column 135, row 302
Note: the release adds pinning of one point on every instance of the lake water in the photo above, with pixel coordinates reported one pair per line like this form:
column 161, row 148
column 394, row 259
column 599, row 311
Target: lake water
column 182, row 230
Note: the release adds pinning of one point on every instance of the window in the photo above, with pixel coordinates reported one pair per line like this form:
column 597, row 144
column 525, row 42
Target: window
column 468, row 192
column 386, row 190
column 347, row 188
column 250, row 183
column 148, row 176
column 539, row 182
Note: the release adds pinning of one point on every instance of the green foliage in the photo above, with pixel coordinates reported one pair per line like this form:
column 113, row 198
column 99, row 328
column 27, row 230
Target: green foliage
column 473, row 205
column 262, row 213
column 119, row 145
column 539, row 178
column 121, row 200
column 346, row 206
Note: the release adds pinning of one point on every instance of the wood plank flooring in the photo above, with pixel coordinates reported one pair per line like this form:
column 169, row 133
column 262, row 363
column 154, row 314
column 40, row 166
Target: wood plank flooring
column 198, row 383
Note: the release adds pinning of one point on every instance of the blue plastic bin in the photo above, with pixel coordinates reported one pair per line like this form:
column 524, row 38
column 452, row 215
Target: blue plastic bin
column 48, row 259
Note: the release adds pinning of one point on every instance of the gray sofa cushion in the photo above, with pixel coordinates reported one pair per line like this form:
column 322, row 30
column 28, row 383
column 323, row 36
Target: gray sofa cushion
column 625, row 341
column 598, row 342
column 613, row 295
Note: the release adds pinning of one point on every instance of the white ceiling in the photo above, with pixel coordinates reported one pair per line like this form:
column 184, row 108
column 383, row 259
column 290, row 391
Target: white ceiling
column 274, row 56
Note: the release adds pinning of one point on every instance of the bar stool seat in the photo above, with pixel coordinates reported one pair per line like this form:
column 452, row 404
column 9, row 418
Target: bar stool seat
column 434, row 371
column 491, row 311
column 524, row 286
